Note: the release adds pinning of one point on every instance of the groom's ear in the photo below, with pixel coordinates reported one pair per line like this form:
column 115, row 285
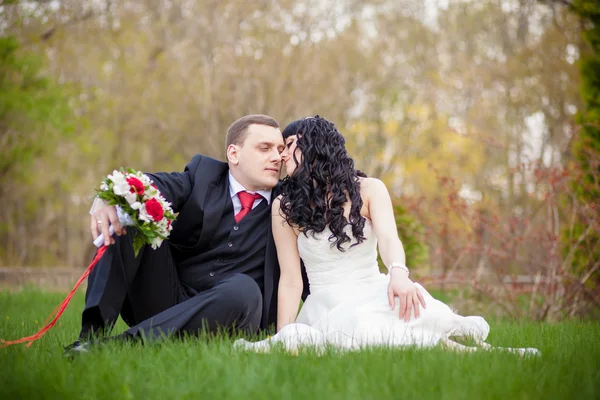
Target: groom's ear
column 232, row 154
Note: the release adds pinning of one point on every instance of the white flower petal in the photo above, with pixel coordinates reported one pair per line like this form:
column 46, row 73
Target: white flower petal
column 156, row 242
column 144, row 216
column 130, row 197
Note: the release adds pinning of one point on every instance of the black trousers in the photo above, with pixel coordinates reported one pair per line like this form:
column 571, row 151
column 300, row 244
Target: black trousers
column 147, row 293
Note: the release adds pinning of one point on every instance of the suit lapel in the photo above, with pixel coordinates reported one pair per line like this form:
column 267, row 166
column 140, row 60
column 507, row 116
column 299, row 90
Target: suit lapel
column 217, row 196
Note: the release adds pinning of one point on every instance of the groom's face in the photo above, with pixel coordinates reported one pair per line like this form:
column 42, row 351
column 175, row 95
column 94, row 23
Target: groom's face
column 258, row 158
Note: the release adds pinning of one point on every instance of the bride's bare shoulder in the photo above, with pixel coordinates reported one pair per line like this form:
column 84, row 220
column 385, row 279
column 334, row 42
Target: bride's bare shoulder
column 371, row 186
column 371, row 189
column 278, row 216
column 276, row 207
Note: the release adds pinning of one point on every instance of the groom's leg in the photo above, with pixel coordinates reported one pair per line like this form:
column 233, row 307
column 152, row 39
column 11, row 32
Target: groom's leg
column 121, row 276
column 234, row 304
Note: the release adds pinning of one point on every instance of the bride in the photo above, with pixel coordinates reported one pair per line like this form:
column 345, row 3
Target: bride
column 333, row 219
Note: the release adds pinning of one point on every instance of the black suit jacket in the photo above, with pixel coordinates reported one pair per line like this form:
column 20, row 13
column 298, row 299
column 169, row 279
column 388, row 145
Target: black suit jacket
column 199, row 195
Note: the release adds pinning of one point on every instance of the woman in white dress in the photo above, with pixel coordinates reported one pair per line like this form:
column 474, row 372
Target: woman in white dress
column 334, row 219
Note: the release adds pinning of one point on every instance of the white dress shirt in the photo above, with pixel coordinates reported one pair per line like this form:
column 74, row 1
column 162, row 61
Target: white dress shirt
column 235, row 187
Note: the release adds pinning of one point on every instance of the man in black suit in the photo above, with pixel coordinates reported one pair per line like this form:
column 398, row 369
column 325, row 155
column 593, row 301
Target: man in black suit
column 218, row 270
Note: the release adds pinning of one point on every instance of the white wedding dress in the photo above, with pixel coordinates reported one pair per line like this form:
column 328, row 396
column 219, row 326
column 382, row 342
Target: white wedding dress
column 348, row 305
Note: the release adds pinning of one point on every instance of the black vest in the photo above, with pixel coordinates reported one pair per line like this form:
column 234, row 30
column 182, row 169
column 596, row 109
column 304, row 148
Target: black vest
column 235, row 248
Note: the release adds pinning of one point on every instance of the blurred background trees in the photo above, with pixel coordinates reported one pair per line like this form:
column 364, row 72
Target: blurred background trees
column 470, row 111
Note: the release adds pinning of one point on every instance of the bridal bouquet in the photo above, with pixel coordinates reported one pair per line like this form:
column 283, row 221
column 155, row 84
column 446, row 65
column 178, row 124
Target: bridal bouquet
column 139, row 204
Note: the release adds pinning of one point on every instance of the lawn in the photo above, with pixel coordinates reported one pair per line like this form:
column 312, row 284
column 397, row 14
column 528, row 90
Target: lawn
column 568, row 367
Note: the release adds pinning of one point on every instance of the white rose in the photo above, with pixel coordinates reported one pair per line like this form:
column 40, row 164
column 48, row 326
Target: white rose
column 121, row 189
column 116, row 177
column 120, row 185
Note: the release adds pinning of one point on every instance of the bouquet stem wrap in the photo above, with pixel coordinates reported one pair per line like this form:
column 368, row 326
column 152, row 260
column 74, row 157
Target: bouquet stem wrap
column 124, row 219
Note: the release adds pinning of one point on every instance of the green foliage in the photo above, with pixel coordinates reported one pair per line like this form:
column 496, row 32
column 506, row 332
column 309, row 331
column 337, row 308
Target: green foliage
column 33, row 111
column 586, row 147
column 412, row 234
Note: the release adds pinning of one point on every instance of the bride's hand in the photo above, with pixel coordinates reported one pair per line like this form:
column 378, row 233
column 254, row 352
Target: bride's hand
column 408, row 293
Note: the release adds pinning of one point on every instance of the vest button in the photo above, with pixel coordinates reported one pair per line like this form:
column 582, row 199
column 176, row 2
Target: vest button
column 230, row 244
column 212, row 274
column 235, row 228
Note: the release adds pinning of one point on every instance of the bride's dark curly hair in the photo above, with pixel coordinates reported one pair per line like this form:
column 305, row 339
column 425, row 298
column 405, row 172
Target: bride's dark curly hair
column 313, row 197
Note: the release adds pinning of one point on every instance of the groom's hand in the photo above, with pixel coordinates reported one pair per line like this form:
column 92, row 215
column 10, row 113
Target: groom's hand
column 102, row 217
column 408, row 293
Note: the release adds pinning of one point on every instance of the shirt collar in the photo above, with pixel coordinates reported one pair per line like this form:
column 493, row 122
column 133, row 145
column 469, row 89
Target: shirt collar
column 235, row 187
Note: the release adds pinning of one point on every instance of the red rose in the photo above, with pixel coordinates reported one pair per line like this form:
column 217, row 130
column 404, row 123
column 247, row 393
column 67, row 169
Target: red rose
column 137, row 186
column 154, row 209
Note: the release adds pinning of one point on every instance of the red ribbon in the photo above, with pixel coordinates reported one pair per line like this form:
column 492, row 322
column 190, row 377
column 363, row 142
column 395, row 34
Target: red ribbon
column 55, row 315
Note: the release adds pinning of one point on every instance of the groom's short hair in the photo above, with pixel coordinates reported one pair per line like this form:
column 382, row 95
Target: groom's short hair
column 236, row 134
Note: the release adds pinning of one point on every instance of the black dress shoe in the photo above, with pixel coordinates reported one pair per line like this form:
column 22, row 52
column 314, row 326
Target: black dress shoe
column 79, row 346
column 75, row 348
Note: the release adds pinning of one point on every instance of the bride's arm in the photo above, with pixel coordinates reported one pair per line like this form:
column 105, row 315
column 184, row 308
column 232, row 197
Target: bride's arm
column 391, row 250
column 290, row 281
column 381, row 212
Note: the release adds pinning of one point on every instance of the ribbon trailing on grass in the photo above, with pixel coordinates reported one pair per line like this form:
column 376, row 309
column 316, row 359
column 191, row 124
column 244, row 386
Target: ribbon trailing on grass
column 58, row 311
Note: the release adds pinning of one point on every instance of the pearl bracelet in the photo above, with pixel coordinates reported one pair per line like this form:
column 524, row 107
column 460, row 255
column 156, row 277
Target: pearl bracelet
column 401, row 266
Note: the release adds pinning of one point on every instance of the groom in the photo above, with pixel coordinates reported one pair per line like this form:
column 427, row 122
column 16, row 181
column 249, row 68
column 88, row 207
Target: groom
column 219, row 269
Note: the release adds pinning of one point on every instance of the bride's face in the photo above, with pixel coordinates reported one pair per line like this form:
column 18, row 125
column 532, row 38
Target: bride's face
column 288, row 153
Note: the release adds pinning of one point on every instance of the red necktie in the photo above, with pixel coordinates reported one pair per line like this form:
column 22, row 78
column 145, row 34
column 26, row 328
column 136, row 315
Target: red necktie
column 247, row 200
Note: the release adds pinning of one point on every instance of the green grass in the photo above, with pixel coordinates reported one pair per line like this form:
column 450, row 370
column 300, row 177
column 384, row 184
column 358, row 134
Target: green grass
column 195, row 369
